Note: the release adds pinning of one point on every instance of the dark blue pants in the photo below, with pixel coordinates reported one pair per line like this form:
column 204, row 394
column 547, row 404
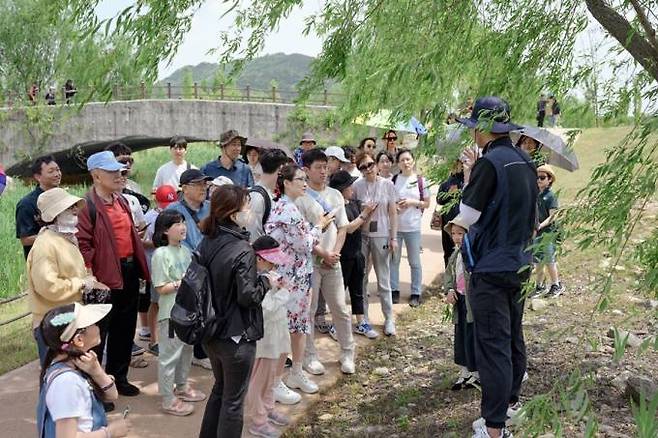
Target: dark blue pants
column 499, row 347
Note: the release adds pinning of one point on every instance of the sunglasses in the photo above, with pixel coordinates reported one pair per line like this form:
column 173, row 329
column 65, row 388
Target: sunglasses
column 542, row 178
column 367, row 166
column 127, row 160
column 179, row 146
column 391, row 138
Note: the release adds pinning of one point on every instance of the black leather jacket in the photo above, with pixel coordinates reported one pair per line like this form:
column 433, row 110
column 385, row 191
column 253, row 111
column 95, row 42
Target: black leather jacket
column 237, row 289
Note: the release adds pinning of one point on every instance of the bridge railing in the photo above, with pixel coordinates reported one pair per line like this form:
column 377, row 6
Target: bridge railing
column 170, row 91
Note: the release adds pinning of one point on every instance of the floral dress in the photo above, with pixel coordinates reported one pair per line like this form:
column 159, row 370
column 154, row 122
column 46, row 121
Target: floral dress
column 296, row 238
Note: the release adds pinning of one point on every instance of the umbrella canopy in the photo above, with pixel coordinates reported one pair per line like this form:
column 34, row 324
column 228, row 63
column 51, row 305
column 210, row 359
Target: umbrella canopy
column 266, row 144
column 558, row 141
column 381, row 119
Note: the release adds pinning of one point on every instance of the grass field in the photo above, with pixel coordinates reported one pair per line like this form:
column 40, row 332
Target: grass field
column 590, row 149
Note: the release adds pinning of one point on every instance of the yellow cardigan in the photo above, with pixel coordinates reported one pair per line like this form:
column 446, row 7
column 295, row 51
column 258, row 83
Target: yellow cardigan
column 55, row 273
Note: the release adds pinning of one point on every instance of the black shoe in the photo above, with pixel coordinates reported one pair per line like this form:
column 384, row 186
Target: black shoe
column 288, row 363
column 414, row 301
column 396, row 296
column 458, row 385
column 556, row 290
column 108, row 406
column 472, row 383
column 127, row 389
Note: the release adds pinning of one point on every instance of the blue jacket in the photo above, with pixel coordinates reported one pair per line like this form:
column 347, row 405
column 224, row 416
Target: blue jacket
column 240, row 173
column 193, row 236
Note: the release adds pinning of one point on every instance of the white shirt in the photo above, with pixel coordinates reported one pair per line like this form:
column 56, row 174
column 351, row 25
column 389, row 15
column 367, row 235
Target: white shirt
column 169, row 174
column 135, row 210
column 383, row 193
column 69, row 397
column 257, row 210
column 407, row 187
column 312, row 211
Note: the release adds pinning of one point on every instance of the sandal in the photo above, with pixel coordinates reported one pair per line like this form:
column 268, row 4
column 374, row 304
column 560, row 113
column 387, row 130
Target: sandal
column 190, row 395
column 178, row 408
column 139, row 362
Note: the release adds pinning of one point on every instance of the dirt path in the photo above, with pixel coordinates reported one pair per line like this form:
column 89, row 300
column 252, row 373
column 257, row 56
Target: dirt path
column 18, row 388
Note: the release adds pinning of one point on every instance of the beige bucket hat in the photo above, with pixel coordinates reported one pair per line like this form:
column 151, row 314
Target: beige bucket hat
column 55, row 201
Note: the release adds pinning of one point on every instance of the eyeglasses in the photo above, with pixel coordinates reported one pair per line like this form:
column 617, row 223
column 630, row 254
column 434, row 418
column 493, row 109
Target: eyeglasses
column 366, row 166
column 542, row 178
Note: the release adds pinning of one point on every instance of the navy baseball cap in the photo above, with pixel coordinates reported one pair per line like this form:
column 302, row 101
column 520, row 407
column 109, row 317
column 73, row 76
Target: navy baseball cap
column 492, row 114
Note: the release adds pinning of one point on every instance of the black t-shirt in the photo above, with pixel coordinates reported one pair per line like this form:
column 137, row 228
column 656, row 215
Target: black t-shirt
column 352, row 247
column 481, row 186
column 28, row 221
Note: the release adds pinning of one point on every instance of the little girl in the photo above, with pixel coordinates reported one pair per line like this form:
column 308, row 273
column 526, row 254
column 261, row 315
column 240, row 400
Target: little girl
column 455, row 283
column 168, row 265
column 73, row 383
column 273, row 348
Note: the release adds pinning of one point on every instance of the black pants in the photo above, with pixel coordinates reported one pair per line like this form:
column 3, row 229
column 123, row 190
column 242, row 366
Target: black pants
column 354, row 268
column 499, row 347
column 448, row 246
column 144, row 300
column 118, row 328
column 231, row 366
column 541, row 115
column 464, row 348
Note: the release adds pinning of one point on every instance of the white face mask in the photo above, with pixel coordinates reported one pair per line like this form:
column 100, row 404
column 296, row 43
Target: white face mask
column 241, row 218
column 67, row 222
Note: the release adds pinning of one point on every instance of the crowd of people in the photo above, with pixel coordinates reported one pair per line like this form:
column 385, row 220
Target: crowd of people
column 285, row 240
column 50, row 97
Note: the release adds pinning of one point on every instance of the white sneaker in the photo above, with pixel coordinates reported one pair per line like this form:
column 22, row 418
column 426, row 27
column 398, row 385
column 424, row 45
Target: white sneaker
column 285, row 395
column 389, row 328
column 300, row 381
column 203, row 363
column 514, row 417
column 525, row 377
column 366, row 330
column 347, row 365
column 313, row 366
column 481, row 430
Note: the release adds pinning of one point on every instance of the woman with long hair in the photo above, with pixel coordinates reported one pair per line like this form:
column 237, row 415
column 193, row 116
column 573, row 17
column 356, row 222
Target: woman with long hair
column 237, row 291
column 73, row 384
column 297, row 238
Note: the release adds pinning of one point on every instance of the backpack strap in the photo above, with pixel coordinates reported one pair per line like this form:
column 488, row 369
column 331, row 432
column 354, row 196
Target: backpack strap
column 266, row 199
column 192, row 213
column 91, row 207
column 57, row 370
column 395, row 178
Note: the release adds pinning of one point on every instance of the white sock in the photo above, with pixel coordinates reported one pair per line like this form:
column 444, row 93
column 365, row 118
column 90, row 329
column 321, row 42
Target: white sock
column 296, row 367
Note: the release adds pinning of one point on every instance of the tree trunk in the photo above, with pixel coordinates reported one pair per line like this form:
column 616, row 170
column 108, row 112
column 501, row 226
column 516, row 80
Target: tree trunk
column 617, row 26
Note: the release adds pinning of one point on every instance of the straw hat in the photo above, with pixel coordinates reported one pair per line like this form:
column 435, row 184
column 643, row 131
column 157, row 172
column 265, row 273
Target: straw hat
column 53, row 202
column 456, row 221
column 547, row 168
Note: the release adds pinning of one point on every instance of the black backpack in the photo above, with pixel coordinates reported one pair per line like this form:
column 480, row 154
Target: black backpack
column 266, row 199
column 193, row 317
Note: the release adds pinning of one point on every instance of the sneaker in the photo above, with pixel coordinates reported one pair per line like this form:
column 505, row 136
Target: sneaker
column 137, row 350
column 459, row 384
column 298, row 380
column 144, row 335
column 313, row 366
column 525, row 377
column 285, row 395
column 178, row 408
column 203, row 363
column 472, row 382
column 364, row 329
column 347, row 366
column 481, row 431
column 389, row 328
column 323, row 326
column 332, row 333
column 513, row 416
column 265, row 430
column 154, row 349
column 278, row 419
column 540, row 291
column 395, row 295
column 414, row 301
column 556, row 290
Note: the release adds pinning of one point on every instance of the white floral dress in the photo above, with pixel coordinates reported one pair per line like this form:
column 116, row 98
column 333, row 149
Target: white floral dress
column 297, row 238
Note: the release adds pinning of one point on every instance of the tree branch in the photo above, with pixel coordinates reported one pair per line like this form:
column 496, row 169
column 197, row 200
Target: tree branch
column 618, row 27
column 646, row 24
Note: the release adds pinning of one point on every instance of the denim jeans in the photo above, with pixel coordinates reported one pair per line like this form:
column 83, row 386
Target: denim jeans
column 411, row 240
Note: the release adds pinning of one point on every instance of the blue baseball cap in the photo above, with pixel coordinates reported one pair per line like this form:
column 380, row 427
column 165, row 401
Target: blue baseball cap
column 492, row 114
column 105, row 161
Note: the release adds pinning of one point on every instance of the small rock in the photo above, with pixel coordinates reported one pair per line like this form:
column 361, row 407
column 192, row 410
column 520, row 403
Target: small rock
column 633, row 340
column 639, row 386
column 617, row 312
column 653, row 304
column 325, row 417
column 381, row 371
column 538, row 304
column 571, row 339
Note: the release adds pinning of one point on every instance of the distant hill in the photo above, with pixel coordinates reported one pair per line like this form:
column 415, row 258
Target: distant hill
column 286, row 70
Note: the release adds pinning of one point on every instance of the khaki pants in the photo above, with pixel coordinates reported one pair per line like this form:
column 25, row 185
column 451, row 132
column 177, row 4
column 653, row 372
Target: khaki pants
column 330, row 281
column 375, row 250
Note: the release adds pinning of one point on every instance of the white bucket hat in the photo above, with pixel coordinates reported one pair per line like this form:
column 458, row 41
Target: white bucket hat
column 53, row 202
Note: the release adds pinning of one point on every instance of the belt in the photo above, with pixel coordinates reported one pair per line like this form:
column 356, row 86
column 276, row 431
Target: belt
column 128, row 259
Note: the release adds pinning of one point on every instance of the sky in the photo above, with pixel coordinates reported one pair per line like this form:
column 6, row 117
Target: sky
column 207, row 24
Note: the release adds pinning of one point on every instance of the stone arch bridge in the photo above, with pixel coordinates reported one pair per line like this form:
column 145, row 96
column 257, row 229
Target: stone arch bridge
column 72, row 133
